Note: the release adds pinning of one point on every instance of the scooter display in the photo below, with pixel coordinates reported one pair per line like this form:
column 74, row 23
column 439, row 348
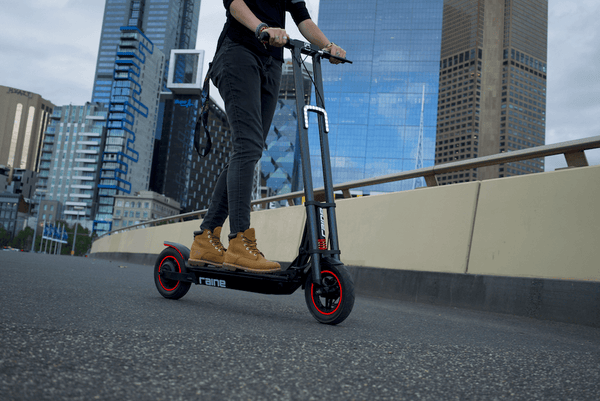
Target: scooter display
column 327, row 284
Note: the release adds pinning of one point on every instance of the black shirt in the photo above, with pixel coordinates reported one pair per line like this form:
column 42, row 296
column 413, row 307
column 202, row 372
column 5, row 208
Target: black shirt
column 272, row 13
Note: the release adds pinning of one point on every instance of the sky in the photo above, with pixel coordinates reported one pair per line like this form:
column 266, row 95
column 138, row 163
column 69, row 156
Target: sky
column 50, row 47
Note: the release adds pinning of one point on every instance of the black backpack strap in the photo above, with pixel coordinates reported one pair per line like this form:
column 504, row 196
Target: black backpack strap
column 202, row 121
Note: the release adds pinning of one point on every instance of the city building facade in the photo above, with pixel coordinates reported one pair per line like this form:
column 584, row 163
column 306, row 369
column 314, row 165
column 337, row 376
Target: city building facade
column 23, row 120
column 178, row 171
column 168, row 24
column 142, row 206
column 381, row 105
column 206, row 170
column 492, row 96
column 131, row 122
column 9, row 209
column 18, row 181
column 50, row 212
column 70, row 161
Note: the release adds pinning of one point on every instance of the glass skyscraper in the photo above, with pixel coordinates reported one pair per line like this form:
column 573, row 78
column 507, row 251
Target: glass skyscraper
column 168, row 24
column 374, row 105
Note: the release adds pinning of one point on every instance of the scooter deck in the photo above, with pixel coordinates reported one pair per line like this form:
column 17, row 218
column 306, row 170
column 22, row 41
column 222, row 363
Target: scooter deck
column 279, row 283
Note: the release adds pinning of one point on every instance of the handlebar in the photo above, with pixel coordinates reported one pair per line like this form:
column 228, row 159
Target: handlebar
column 305, row 48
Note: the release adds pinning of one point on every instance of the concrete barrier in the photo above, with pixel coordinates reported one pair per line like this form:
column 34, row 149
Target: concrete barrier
column 543, row 225
column 536, row 235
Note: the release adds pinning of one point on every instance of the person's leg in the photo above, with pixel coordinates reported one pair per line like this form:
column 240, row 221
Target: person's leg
column 240, row 87
column 243, row 252
column 236, row 73
column 269, row 93
column 218, row 207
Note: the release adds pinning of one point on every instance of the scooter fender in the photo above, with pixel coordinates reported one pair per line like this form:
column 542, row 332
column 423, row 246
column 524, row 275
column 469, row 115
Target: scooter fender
column 183, row 250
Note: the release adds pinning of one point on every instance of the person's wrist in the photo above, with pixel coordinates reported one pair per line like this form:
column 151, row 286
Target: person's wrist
column 261, row 27
column 328, row 46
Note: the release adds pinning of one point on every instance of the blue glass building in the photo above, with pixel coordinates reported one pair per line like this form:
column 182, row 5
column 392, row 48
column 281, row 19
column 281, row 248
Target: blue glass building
column 168, row 24
column 132, row 114
column 374, row 105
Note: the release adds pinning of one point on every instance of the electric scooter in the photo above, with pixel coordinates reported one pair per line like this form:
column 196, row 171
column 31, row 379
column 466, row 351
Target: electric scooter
column 327, row 284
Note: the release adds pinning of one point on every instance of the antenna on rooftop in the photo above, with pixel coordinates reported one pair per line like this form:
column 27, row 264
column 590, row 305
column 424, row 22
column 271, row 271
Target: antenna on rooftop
column 419, row 157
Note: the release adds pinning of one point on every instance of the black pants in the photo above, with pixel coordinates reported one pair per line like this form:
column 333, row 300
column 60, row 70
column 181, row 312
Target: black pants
column 249, row 86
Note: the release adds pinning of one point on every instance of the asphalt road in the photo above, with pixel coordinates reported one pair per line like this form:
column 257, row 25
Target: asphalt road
column 83, row 329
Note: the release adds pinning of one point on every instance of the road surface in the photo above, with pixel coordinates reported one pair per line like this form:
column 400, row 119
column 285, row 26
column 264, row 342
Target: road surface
column 83, row 329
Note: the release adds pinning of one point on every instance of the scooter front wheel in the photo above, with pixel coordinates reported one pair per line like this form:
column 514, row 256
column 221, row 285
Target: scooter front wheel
column 170, row 260
column 332, row 301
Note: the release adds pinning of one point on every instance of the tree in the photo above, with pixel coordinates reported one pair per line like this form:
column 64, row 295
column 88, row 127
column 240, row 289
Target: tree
column 83, row 243
column 4, row 236
column 23, row 239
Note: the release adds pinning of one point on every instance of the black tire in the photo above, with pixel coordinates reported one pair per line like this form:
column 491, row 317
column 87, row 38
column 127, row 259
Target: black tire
column 332, row 303
column 170, row 260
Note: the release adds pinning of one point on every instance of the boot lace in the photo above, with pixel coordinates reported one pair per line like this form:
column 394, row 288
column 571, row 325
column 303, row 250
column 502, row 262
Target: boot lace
column 216, row 242
column 251, row 246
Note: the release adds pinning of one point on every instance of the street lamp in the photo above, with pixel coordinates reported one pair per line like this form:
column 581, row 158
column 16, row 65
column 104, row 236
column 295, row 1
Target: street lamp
column 38, row 193
column 78, row 208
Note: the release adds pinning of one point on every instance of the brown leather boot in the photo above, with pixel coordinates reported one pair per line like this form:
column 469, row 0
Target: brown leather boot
column 207, row 248
column 243, row 254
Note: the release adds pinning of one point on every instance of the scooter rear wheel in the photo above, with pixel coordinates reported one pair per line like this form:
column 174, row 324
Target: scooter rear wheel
column 331, row 302
column 170, row 260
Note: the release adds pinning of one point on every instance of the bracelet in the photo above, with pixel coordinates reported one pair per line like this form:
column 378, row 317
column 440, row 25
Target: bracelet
column 261, row 27
column 329, row 45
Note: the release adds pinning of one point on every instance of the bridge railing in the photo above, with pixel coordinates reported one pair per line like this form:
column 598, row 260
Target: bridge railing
column 572, row 150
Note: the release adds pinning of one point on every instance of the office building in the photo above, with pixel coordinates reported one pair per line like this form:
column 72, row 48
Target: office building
column 206, row 170
column 492, row 95
column 23, row 120
column 168, row 24
column 18, row 181
column 142, row 206
column 70, row 162
column 51, row 211
column 131, row 122
column 178, row 171
column 9, row 210
column 375, row 105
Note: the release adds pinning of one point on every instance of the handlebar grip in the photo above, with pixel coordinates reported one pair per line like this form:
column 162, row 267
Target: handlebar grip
column 264, row 36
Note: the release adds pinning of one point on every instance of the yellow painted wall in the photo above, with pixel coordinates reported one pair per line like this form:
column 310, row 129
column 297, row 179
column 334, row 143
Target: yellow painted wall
column 544, row 225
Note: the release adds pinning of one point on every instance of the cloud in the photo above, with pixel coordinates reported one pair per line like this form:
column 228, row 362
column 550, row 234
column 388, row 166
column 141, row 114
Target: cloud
column 50, row 47
column 573, row 89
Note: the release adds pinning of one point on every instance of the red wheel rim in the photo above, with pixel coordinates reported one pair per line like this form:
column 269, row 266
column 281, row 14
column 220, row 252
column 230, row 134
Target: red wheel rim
column 160, row 279
column 312, row 294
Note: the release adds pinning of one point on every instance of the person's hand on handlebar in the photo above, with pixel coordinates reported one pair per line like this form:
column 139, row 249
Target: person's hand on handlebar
column 277, row 37
column 334, row 49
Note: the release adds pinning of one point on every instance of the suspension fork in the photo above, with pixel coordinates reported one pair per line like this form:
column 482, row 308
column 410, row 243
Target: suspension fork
column 311, row 209
column 315, row 219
